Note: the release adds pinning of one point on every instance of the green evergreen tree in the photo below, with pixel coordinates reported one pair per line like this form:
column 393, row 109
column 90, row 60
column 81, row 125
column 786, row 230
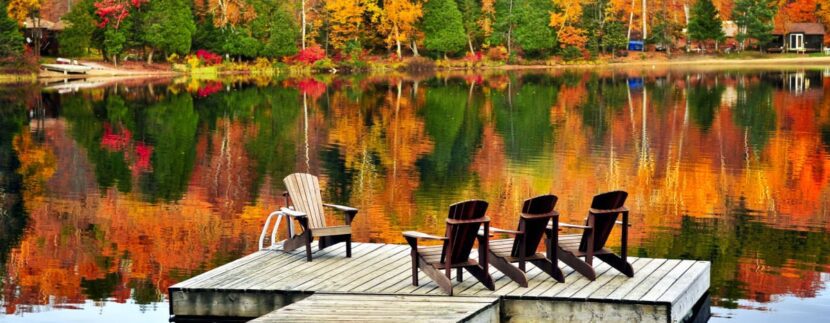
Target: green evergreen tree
column 524, row 24
column 443, row 27
column 169, row 27
column 532, row 32
column 11, row 41
column 207, row 36
column 470, row 12
column 275, row 29
column 115, row 40
column 239, row 43
column 754, row 20
column 613, row 36
column 76, row 39
column 705, row 23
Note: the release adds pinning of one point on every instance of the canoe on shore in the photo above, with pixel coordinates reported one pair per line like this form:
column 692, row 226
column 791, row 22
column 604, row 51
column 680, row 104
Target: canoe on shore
column 66, row 68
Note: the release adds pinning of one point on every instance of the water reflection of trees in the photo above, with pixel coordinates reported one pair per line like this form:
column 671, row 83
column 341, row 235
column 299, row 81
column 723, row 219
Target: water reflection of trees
column 204, row 167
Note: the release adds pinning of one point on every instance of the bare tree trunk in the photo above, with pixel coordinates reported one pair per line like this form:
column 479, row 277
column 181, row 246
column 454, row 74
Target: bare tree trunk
column 398, row 41
column 415, row 49
column 470, row 42
column 304, row 22
column 510, row 31
column 150, row 57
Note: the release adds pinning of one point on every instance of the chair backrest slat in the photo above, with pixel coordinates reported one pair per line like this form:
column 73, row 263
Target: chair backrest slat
column 534, row 227
column 603, row 223
column 304, row 190
column 463, row 235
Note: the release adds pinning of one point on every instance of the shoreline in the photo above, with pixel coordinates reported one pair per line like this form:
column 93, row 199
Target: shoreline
column 702, row 62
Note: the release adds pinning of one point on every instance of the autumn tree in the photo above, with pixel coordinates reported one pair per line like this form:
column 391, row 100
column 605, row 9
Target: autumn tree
column 564, row 20
column 754, row 20
column 443, row 27
column 705, row 23
column 21, row 9
column 169, row 27
column 398, row 21
column 345, row 18
column 282, row 38
column 11, row 41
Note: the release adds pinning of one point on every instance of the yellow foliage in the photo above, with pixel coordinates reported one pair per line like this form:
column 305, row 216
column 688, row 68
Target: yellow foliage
column 20, row 9
column 345, row 19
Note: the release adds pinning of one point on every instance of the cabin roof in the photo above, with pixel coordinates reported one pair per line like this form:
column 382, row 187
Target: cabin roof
column 45, row 24
column 808, row 28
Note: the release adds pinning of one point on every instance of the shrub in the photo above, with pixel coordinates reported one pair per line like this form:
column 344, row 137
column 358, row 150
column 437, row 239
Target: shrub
column 473, row 57
column 498, row 53
column 420, row 64
column 309, row 55
column 571, row 53
column 324, row 64
column 208, row 58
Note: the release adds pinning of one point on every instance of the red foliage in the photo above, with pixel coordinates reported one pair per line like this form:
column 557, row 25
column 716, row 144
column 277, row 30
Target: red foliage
column 474, row 57
column 208, row 57
column 209, row 88
column 115, row 11
column 309, row 55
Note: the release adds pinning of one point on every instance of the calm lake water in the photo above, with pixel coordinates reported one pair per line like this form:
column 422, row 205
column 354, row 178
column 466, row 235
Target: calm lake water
column 109, row 195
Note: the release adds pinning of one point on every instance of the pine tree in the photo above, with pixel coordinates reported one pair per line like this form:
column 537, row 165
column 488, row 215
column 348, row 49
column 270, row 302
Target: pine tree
column 11, row 41
column 169, row 27
column 754, row 20
column 443, row 27
column 533, row 32
column 283, row 35
column 705, row 23
column 76, row 39
column 470, row 13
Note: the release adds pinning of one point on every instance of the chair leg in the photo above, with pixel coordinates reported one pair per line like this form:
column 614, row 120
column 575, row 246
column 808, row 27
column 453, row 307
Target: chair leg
column 577, row 264
column 349, row 246
column 414, row 268
column 482, row 276
column 459, row 274
column 550, row 268
column 515, row 274
column 308, row 246
column 618, row 264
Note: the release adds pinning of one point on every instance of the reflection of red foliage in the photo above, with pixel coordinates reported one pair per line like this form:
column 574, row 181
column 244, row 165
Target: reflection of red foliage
column 209, row 88
column 309, row 55
column 312, row 87
column 208, row 57
column 142, row 157
column 115, row 142
column 477, row 79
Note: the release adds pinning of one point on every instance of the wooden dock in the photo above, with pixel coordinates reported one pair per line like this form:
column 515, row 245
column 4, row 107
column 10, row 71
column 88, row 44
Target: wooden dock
column 662, row 290
column 386, row 308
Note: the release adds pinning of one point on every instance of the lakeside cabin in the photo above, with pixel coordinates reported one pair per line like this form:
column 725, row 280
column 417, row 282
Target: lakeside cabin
column 798, row 37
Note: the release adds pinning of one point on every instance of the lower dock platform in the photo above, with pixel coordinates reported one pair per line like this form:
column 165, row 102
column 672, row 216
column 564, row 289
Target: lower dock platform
column 662, row 290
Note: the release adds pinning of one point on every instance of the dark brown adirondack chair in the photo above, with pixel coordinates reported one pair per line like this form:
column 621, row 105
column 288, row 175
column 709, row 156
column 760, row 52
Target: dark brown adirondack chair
column 602, row 217
column 304, row 194
column 463, row 223
column 536, row 213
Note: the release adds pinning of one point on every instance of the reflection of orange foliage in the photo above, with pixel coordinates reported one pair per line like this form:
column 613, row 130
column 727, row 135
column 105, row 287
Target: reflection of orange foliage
column 762, row 281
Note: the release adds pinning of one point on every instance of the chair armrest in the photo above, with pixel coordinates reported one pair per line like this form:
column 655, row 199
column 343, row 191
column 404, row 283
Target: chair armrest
column 536, row 216
column 340, row 207
column 421, row 235
column 620, row 223
column 497, row 230
column 470, row 221
column 575, row 226
column 293, row 213
column 601, row 211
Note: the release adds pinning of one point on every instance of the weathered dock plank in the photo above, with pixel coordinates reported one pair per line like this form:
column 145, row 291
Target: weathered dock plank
column 386, row 308
column 661, row 289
